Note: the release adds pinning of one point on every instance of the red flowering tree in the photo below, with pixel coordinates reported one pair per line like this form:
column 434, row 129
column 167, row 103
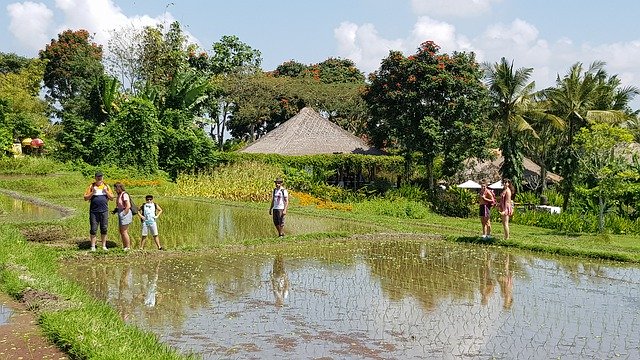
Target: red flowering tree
column 429, row 104
column 73, row 62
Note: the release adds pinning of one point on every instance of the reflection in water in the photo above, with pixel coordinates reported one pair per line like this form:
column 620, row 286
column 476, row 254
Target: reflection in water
column 506, row 285
column 17, row 210
column 152, row 287
column 487, row 285
column 279, row 281
column 201, row 224
column 378, row 300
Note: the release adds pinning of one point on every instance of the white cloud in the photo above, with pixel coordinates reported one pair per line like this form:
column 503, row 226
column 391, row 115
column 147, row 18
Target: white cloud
column 518, row 41
column 30, row 23
column 442, row 33
column 462, row 8
column 363, row 45
column 34, row 24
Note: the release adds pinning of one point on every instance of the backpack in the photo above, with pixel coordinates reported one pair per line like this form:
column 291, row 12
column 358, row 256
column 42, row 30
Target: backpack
column 134, row 208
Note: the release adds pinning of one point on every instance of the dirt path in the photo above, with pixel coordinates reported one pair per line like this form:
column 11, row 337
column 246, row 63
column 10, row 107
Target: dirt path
column 20, row 336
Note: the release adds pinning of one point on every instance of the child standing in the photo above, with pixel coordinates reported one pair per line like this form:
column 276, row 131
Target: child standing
column 149, row 213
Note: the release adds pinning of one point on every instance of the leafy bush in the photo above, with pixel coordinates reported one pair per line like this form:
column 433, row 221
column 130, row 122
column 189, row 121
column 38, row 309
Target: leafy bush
column 454, row 202
column 573, row 222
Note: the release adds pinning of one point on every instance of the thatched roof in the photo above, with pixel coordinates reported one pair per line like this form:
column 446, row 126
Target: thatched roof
column 490, row 170
column 309, row 133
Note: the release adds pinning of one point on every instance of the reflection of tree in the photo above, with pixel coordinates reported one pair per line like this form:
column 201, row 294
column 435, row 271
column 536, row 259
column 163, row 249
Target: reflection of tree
column 279, row 280
column 445, row 271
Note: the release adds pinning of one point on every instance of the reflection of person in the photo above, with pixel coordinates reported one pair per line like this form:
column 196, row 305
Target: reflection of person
column 279, row 281
column 506, row 205
column 125, row 216
column 98, row 194
column 279, row 205
column 149, row 214
column 150, row 297
column 506, row 285
column 486, row 199
column 487, row 284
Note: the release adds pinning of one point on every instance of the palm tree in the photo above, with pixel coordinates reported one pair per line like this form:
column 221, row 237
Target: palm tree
column 513, row 103
column 584, row 97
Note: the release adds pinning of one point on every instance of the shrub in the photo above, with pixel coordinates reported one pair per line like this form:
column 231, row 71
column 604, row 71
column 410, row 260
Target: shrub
column 454, row 202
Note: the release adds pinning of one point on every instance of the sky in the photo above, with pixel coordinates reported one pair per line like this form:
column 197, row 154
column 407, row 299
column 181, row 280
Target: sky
column 546, row 35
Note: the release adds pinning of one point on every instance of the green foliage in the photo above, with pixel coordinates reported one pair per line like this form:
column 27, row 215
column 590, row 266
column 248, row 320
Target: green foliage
column 131, row 138
column 454, row 202
column 430, row 103
column 72, row 62
column 76, row 138
column 185, row 149
column 22, row 112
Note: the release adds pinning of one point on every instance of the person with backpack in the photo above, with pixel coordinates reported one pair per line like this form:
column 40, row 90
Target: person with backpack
column 124, row 209
column 98, row 194
column 486, row 200
column 279, row 205
column 149, row 214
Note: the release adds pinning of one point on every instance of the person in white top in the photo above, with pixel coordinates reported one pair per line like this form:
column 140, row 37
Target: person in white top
column 279, row 205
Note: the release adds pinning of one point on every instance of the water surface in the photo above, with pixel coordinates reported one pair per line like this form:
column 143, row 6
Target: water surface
column 378, row 300
column 188, row 223
column 14, row 210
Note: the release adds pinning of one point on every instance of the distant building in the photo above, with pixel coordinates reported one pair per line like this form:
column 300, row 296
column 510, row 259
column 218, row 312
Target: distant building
column 309, row 133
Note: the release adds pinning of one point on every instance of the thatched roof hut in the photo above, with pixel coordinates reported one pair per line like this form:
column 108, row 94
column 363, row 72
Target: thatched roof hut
column 490, row 170
column 309, row 133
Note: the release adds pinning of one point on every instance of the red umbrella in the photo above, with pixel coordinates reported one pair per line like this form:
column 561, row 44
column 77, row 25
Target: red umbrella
column 37, row 143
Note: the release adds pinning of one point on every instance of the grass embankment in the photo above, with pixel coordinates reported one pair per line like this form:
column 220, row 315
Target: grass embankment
column 87, row 328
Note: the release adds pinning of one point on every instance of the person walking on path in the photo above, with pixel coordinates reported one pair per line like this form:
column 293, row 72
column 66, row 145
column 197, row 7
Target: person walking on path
column 506, row 205
column 98, row 194
column 149, row 213
column 486, row 200
column 125, row 215
column 279, row 206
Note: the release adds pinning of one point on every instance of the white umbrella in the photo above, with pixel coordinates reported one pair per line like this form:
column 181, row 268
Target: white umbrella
column 470, row 184
column 496, row 185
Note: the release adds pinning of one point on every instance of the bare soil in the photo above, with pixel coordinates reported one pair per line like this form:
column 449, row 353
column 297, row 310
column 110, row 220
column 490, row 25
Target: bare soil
column 20, row 336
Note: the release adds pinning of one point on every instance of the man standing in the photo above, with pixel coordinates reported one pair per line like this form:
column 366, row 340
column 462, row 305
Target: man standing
column 99, row 194
column 279, row 205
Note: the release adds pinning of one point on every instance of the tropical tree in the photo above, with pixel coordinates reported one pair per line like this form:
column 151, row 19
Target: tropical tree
column 513, row 104
column 429, row 103
column 163, row 54
column 131, row 137
column 583, row 97
column 602, row 152
column 24, row 113
column 230, row 58
column 72, row 63
column 124, row 57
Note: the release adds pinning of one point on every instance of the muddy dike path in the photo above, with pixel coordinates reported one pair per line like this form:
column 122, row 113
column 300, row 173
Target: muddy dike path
column 20, row 335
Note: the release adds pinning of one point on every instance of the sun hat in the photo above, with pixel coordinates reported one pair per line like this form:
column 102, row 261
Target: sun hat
column 278, row 181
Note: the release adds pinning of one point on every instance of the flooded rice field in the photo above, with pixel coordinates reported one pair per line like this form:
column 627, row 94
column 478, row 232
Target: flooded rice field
column 193, row 224
column 13, row 210
column 376, row 300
